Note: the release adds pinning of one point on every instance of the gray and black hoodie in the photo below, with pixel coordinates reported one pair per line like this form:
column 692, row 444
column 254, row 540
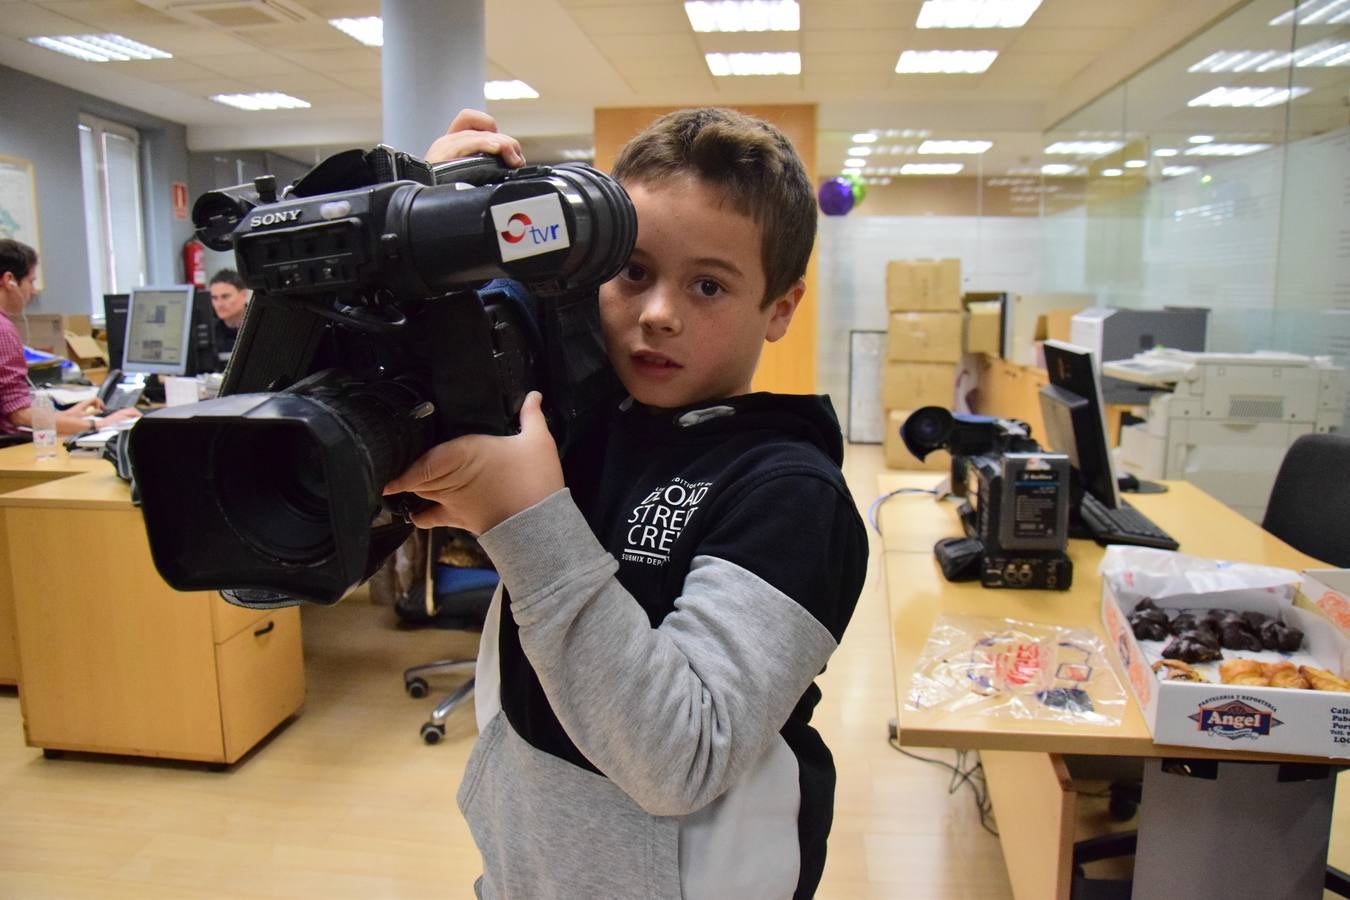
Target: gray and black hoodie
column 645, row 680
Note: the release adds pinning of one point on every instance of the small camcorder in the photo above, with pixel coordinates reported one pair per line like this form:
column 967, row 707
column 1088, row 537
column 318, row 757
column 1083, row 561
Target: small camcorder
column 1016, row 515
column 396, row 305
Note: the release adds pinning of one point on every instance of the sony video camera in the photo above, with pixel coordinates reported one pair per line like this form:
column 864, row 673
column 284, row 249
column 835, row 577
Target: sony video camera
column 388, row 316
column 1018, row 496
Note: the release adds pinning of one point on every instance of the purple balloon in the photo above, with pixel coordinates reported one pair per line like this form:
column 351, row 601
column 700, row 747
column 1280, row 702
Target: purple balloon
column 836, row 197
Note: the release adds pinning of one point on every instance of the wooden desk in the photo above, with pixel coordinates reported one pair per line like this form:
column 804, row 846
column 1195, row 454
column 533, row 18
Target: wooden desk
column 1023, row 760
column 20, row 468
column 113, row 660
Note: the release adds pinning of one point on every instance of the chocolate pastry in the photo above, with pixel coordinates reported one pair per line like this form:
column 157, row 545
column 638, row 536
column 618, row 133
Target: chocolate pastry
column 1183, row 622
column 1189, row 648
column 1255, row 620
column 1148, row 622
column 1235, row 636
column 1279, row 636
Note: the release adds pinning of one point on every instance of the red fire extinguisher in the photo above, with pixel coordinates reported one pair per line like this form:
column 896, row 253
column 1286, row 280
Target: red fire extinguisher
column 194, row 262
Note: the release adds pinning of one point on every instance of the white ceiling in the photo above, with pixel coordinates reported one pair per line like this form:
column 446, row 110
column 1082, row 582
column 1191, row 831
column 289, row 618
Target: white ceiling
column 636, row 53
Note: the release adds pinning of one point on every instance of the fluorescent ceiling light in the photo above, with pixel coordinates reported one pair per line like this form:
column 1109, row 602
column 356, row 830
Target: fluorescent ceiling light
column 744, row 15
column 1083, row 148
column 262, row 100
column 1316, row 12
column 100, row 47
column 1165, row 151
column 1135, row 163
column 859, row 151
column 1226, row 149
column 721, row 64
column 1112, row 173
column 1059, row 169
column 1200, row 138
column 864, row 137
column 931, row 168
column 368, row 30
column 509, row 90
column 1240, row 97
column 955, row 147
column 578, row 154
column 1174, row 171
column 976, row 13
column 855, row 162
column 1325, row 53
column 945, row 62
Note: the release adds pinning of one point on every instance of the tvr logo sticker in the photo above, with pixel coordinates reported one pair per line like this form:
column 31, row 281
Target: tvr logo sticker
column 530, row 227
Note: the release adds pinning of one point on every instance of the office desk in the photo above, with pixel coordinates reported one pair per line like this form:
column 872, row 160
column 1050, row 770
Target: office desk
column 113, row 660
column 20, row 468
column 1023, row 760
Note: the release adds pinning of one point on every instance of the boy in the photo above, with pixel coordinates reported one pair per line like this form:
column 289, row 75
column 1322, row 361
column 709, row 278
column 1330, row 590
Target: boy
column 645, row 679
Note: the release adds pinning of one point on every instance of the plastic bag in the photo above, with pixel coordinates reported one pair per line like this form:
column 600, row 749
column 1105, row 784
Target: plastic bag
column 1019, row 670
column 1138, row 572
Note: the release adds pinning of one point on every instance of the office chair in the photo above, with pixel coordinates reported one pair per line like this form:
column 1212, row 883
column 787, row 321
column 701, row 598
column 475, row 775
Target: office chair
column 459, row 586
column 1309, row 506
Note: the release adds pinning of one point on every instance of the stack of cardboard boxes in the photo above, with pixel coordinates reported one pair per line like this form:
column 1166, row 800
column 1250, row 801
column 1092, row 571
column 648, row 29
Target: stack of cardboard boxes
column 923, row 349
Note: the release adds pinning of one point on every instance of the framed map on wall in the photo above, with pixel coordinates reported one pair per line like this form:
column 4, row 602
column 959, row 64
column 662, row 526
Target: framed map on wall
column 18, row 204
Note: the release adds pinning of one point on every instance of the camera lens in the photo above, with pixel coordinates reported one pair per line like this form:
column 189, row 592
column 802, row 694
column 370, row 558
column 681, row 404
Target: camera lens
column 273, row 491
column 926, row 430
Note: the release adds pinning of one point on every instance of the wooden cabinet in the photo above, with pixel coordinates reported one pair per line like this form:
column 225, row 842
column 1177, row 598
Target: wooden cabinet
column 113, row 660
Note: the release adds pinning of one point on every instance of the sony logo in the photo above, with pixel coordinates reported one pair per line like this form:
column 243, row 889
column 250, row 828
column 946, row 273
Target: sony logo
column 275, row 218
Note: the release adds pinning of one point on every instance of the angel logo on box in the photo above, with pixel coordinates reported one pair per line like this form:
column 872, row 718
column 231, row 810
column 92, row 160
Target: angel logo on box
column 1234, row 718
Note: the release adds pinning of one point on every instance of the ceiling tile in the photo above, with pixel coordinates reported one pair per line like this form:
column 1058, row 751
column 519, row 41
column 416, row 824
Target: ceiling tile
column 1095, row 13
column 816, row 79
column 1063, row 64
column 847, row 14
column 361, row 59
column 110, row 15
column 160, row 70
column 1055, row 40
column 755, row 42
column 879, row 64
column 663, row 18
column 343, row 9
column 853, row 41
column 653, row 66
column 362, row 80
column 189, row 41
column 25, row 20
column 297, row 84
column 252, row 63
column 305, row 36
column 616, row 47
column 206, row 87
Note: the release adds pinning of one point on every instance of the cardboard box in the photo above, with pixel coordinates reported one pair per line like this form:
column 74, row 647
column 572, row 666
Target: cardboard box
column 983, row 328
column 1327, row 592
column 923, row 285
column 924, row 337
column 898, row 455
column 43, row 331
column 1236, row 717
column 85, row 351
column 907, row 385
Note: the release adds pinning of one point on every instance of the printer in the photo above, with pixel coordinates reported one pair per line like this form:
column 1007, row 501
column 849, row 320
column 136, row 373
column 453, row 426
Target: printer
column 1112, row 333
column 1224, row 420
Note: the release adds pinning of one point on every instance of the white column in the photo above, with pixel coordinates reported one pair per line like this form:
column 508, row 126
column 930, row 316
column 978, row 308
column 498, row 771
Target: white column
column 432, row 66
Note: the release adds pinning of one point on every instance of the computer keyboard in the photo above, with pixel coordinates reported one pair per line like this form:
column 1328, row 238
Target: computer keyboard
column 1125, row 525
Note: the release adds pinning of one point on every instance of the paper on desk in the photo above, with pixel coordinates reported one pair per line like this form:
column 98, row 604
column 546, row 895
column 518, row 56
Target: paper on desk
column 1004, row 668
column 69, row 396
column 1138, row 572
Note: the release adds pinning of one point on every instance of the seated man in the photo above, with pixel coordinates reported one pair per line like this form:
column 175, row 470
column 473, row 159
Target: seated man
column 229, row 298
column 18, row 270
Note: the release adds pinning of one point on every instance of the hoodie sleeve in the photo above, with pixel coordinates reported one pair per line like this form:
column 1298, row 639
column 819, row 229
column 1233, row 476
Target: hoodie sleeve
column 674, row 715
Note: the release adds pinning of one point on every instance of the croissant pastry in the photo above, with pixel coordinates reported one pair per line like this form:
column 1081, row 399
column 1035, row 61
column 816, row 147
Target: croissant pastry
column 1250, row 679
column 1288, row 678
column 1322, row 680
column 1176, row 670
column 1233, row 669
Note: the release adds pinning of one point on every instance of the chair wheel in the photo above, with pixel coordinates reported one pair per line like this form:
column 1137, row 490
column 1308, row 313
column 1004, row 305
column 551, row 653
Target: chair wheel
column 416, row 687
column 432, row 733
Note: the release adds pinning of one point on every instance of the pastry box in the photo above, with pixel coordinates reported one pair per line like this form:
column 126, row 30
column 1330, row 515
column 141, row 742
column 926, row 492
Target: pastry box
column 1241, row 717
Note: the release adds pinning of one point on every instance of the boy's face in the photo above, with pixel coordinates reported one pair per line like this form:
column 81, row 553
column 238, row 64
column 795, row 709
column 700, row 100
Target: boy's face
column 683, row 321
column 15, row 293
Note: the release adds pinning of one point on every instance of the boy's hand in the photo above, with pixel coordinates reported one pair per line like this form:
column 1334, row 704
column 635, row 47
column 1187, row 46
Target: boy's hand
column 473, row 131
column 479, row 481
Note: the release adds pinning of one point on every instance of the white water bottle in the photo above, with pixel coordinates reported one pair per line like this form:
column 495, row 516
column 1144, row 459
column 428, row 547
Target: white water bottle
column 44, row 425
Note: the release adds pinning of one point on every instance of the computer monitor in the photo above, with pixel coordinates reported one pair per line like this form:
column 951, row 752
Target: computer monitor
column 1075, row 419
column 159, row 330
column 202, row 355
column 115, row 324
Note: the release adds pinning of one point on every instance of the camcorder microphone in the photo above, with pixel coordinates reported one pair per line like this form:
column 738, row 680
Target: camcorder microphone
column 396, row 305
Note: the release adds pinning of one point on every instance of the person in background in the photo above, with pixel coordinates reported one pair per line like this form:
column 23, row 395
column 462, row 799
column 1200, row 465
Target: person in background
column 18, row 272
column 673, row 586
column 229, row 298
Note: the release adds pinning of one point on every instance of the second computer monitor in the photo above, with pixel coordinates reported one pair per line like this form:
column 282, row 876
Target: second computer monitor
column 1075, row 418
column 115, row 324
column 159, row 330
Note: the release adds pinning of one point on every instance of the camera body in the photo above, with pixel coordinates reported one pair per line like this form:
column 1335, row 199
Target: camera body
column 1018, row 495
column 396, row 305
